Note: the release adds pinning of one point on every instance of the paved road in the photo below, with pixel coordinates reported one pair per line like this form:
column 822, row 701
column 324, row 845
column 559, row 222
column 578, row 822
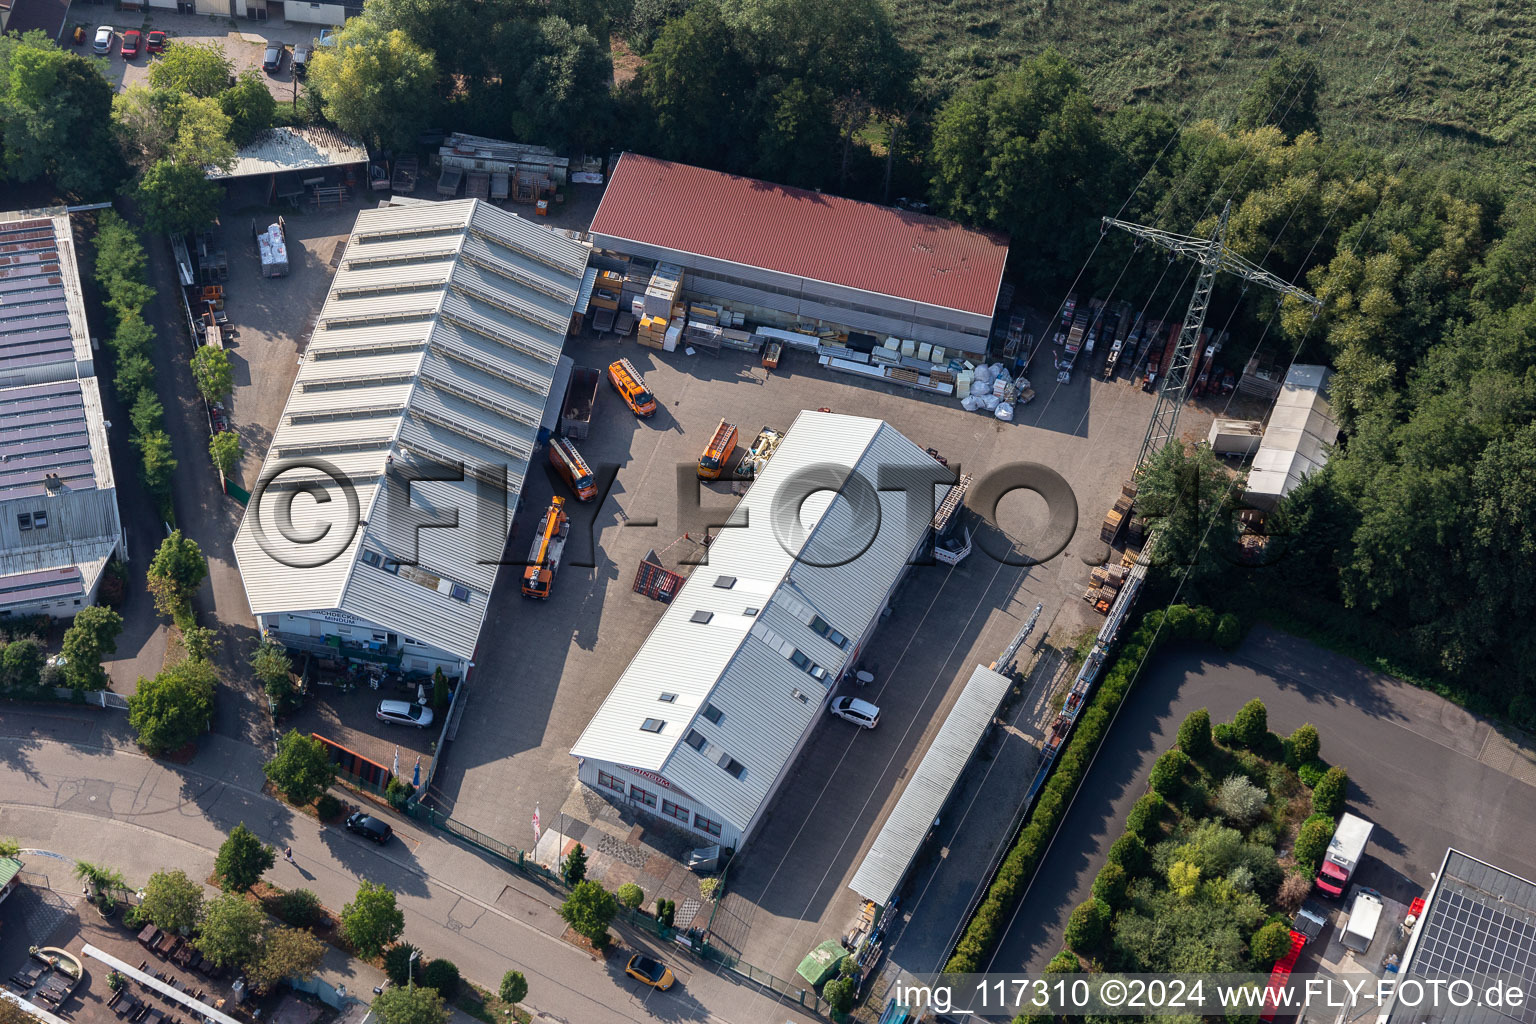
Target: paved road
column 72, row 783
column 1428, row 773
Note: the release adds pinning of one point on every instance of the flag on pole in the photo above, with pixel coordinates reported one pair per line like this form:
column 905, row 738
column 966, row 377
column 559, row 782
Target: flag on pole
column 395, row 771
column 416, row 773
column 535, row 825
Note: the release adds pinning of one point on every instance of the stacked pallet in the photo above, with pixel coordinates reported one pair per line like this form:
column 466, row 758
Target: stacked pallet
column 663, row 290
column 652, row 332
column 1119, row 513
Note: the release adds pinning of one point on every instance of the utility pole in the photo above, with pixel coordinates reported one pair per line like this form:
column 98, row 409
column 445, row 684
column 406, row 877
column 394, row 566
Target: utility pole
column 1213, row 257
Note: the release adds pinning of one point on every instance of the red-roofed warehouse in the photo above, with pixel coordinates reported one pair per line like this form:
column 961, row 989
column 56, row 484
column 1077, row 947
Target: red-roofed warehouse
column 793, row 257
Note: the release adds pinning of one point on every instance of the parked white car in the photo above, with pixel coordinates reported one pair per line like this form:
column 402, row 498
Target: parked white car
column 851, row 709
column 103, row 43
column 403, row 712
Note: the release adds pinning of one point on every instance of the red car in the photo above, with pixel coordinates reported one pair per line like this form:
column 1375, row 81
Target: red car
column 131, row 43
column 155, row 42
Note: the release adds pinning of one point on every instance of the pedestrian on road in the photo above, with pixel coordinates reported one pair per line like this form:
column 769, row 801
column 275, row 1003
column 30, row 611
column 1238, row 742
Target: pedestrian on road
column 288, row 854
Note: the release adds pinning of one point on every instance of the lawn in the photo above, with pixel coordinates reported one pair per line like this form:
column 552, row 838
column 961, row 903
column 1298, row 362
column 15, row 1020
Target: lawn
column 1451, row 83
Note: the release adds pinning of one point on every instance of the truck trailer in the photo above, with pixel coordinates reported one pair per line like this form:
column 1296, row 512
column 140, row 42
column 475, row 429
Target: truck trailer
column 1364, row 916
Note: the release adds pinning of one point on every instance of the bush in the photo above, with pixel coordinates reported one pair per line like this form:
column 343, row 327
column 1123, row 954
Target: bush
column 514, row 987
column 1281, row 781
column 666, row 910
column 588, row 909
column 1311, row 773
column 1265, row 834
column 1168, row 773
column 1224, row 734
column 1146, row 817
column 1130, row 854
column 1270, row 943
column 1109, row 886
column 1305, row 745
column 397, row 962
column 1329, row 793
column 172, row 709
column 327, row 806
column 1312, row 842
column 1195, row 733
column 1294, row 890
column 1239, row 800
column 1228, row 632
column 839, row 994
column 398, row 792
column 1250, row 723
column 411, row 1005
column 300, row 907
column 630, row 896
column 1087, row 928
column 442, row 975
column 1063, row 963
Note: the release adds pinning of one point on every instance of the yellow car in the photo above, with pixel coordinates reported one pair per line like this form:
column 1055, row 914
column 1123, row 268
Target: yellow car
column 653, row 972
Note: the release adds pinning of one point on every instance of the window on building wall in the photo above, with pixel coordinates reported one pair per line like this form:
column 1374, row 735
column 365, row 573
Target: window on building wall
column 40, row 520
column 391, row 566
column 372, row 558
column 609, row 782
column 667, row 698
column 703, row 824
column 24, row 520
column 695, row 739
column 712, row 714
column 821, row 626
column 734, row 768
column 671, row 810
column 460, row 592
column 652, row 725
column 645, row 796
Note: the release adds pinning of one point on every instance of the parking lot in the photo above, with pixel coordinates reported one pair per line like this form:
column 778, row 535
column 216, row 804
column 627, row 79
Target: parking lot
column 1427, row 773
column 243, row 42
column 533, row 692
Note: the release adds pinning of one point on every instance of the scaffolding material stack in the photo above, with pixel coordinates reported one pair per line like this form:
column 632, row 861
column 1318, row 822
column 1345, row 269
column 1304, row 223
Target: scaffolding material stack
column 664, row 290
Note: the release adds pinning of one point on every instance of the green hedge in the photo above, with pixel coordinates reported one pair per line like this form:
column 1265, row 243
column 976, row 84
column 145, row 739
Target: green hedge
column 992, row 914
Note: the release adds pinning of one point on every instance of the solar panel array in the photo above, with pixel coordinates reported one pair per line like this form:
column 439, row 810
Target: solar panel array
column 1472, row 933
column 43, row 430
column 34, row 314
column 48, row 584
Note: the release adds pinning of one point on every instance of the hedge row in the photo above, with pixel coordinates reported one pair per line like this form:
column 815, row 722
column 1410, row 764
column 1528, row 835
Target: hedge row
column 985, row 926
column 120, row 271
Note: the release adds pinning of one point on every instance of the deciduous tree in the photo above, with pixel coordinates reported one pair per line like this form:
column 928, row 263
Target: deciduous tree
column 412, row 1005
column 242, row 860
column 172, row 900
column 588, row 909
column 225, row 451
column 91, row 637
column 178, row 198
column 170, row 710
column 371, row 921
column 302, row 768
column 211, row 370
column 376, row 83
column 175, row 573
column 201, row 69
column 229, row 933
column 285, row 953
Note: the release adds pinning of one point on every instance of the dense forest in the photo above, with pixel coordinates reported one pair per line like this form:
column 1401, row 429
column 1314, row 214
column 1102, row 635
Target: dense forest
column 1415, row 541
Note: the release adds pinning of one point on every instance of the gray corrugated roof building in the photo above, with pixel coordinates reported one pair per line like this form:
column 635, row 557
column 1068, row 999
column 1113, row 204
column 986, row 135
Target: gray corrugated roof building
column 59, row 522
column 725, row 690
column 436, row 347
column 1301, row 429
column 293, row 148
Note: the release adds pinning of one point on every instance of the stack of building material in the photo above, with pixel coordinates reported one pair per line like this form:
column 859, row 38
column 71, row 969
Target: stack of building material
column 1119, row 513
column 665, row 289
column 652, row 332
column 702, row 335
column 636, row 276
column 274, row 250
column 735, row 337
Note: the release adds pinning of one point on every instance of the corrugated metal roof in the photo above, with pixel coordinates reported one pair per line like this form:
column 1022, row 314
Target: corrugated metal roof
column 804, row 234
column 52, row 430
column 886, row 863
column 1300, row 431
column 422, row 362
column 784, row 569
column 290, row 148
column 42, row 312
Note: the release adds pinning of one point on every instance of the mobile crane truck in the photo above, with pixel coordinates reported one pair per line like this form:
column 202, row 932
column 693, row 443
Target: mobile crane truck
column 548, row 546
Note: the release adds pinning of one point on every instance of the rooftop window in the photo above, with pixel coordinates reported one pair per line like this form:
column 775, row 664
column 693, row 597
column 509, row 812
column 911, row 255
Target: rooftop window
column 652, row 725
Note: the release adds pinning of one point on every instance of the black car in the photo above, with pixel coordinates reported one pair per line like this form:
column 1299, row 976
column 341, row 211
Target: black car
column 370, row 828
column 301, row 54
column 272, row 59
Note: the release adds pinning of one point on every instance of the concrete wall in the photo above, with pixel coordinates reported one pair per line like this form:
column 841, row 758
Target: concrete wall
column 314, row 14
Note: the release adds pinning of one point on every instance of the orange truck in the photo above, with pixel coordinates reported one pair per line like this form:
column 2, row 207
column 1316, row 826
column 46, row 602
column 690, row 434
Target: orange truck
column 572, row 468
column 718, row 452
column 548, row 546
column 626, row 380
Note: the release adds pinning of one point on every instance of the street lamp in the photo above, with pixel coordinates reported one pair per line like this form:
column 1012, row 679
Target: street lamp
column 410, row 972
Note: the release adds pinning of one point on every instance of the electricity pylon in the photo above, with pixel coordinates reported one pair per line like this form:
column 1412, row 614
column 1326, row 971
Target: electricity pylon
column 1213, row 257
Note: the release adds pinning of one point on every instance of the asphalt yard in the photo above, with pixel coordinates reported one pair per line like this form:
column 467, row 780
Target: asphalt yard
column 532, row 691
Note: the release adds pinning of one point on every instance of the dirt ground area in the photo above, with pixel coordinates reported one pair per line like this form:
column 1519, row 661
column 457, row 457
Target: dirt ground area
column 243, row 42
